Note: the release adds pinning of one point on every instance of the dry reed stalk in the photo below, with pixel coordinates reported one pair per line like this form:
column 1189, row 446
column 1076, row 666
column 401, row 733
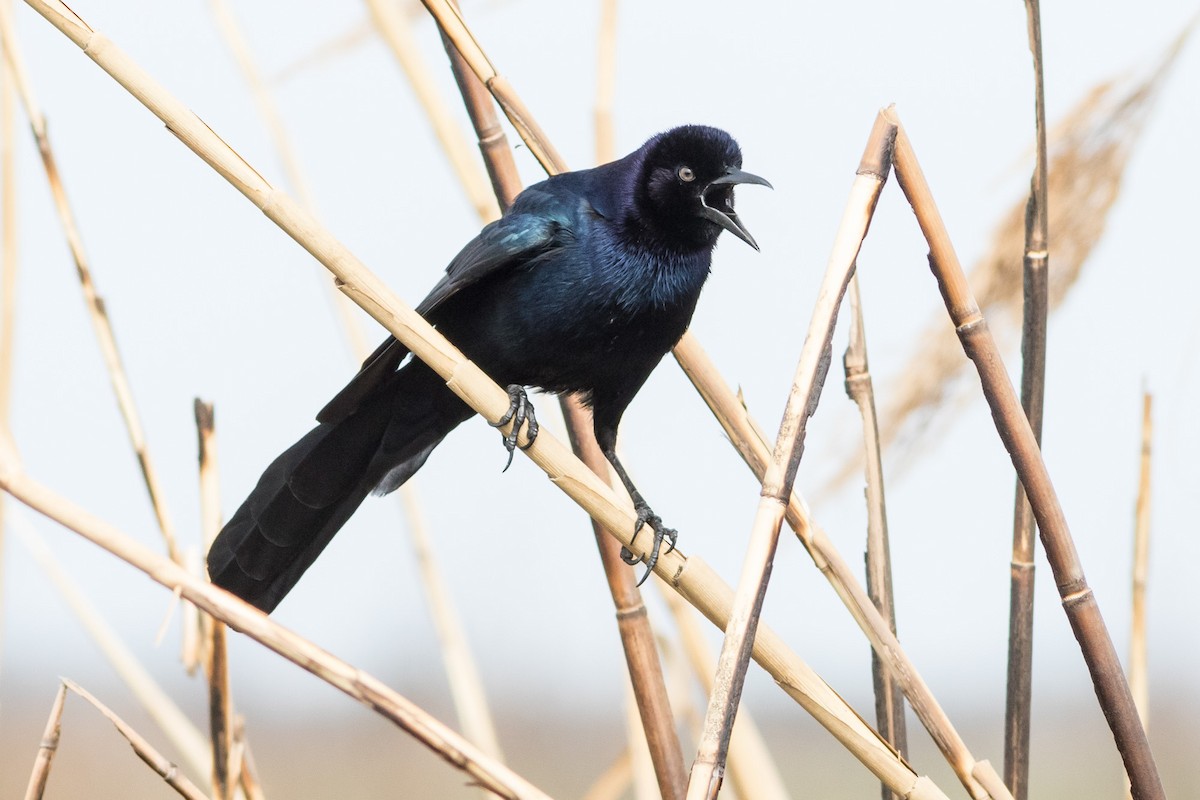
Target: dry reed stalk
column 1079, row 601
column 612, row 783
column 643, row 777
column 889, row 699
column 466, row 685
column 1036, row 285
column 8, row 271
column 175, row 725
column 606, row 81
column 750, row 443
column 745, row 435
column 692, row 577
column 633, row 623
column 1089, row 150
column 216, row 664
column 273, row 120
column 709, row 767
column 1141, row 565
column 397, row 32
column 243, row 617
column 95, row 305
column 145, row 751
column 48, row 747
column 248, row 772
column 752, row 772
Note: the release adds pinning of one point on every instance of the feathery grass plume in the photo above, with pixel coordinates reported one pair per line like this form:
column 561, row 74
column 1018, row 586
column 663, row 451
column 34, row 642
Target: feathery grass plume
column 889, row 698
column 690, row 576
column 145, row 751
column 1035, row 311
column 49, row 745
column 1089, row 150
column 1078, row 600
column 97, row 311
column 709, row 767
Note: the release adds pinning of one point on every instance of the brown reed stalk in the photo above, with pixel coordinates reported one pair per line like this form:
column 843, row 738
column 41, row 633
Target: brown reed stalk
column 1079, row 601
column 692, row 577
column 170, row 773
column 709, row 767
column 95, row 305
column 752, row 771
column 1138, row 683
column 243, row 617
column 216, row 663
column 171, row 720
column 396, row 31
column 748, row 439
column 889, row 698
column 48, row 747
column 1036, row 265
column 633, row 623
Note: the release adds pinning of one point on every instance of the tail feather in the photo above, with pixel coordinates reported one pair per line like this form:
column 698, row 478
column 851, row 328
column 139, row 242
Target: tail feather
column 306, row 495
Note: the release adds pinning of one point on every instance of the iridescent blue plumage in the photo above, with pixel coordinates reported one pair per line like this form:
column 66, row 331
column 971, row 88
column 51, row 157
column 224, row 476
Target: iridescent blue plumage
column 582, row 286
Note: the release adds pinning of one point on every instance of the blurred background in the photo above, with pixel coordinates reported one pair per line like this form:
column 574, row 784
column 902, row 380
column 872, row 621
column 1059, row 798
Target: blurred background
column 209, row 299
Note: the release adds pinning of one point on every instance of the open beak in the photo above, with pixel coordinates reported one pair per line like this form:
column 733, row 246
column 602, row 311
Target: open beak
column 727, row 218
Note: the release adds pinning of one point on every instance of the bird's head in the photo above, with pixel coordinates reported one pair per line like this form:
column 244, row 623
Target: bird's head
column 685, row 187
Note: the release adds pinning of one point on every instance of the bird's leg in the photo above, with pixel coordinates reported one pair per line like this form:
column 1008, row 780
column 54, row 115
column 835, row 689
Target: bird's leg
column 644, row 516
column 520, row 411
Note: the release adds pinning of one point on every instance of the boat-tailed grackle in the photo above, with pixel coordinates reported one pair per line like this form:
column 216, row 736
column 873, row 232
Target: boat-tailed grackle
column 582, row 286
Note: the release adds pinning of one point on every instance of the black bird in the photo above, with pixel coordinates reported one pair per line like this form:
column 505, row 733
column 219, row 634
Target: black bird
column 582, row 286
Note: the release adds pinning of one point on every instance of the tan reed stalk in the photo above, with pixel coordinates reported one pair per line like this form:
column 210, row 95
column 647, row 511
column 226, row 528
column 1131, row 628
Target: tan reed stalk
column 248, row 777
column 612, row 783
column 171, row 720
column 606, row 81
column 889, row 699
column 396, row 31
column 48, row 747
column 236, row 42
column 8, row 271
column 746, row 436
column 145, row 751
column 709, row 767
column 633, row 623
column 466, row 685
column 216, row 663
column 243, row 617
column 692, row 577
column 1036, row 308
column 95, row 305
column 1079, row 601
column 752, row 772
column 1141, row 564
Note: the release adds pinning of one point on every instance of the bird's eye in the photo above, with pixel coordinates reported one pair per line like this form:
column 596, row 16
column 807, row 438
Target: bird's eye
column 685, row 174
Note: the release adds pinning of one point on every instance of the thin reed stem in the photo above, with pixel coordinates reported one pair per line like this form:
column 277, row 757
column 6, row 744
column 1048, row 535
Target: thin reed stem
column 709, row 767
column 889, row 698
column 1079, row 601
column 145, row 751
column 8, row 274
column 49, row 745
column 95, row 305
column 606, row 81
column 1138, row 683
column 1036, row 261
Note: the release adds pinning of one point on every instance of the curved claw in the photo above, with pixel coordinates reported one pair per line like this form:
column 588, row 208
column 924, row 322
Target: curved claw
column 520, row 412
column 646, row 516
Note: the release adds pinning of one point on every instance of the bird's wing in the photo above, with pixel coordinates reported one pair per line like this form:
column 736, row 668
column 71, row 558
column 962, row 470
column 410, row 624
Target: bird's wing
column 536, row 226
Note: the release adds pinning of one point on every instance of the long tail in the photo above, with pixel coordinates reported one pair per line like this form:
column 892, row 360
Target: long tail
column 308, row 492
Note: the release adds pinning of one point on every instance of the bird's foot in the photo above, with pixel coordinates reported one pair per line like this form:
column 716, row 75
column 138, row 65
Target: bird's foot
column 520, row 412
column 647, row 517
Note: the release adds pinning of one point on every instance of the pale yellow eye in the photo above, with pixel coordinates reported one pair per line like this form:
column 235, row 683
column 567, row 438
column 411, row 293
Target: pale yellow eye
column 685, row 174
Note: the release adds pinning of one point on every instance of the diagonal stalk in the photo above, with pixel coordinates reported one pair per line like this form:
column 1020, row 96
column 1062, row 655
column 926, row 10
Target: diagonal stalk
column 1078, row 599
